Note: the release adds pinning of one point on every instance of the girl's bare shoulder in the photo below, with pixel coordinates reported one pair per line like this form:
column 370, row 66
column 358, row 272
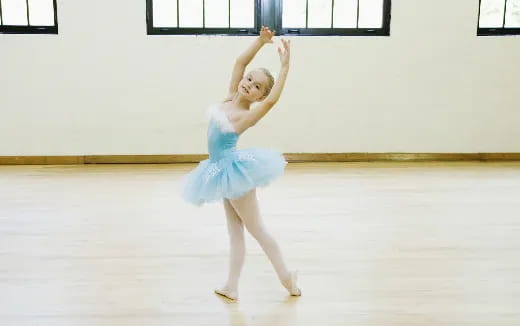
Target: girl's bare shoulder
column 232, row 109
column 237, row 116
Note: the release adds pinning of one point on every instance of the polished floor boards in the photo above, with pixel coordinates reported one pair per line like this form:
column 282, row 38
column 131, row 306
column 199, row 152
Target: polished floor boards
column 394, row 243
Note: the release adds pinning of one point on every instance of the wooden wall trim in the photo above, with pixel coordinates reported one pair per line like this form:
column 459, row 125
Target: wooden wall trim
column 290, row 157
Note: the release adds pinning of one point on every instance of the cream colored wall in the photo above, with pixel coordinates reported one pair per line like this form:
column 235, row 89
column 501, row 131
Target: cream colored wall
column 102, row 86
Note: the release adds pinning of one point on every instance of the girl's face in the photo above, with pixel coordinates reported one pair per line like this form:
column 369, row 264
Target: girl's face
column 253, row 85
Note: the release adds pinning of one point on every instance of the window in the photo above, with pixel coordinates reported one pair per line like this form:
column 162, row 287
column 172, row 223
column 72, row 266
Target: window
column 499, row 17
column 228, row 17
column 335, row 17
column 289, row 17
column 28, row 17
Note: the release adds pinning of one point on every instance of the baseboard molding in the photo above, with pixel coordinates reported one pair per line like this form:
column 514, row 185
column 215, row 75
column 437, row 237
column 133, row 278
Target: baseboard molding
column 290, row 157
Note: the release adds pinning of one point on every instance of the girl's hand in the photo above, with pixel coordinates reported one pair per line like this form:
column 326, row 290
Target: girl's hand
column 266, row 34
column 286, row 54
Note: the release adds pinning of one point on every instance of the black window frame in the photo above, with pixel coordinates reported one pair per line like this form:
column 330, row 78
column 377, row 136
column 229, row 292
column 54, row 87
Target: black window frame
column 269, row 13
column 496, row 31
column 30, row 29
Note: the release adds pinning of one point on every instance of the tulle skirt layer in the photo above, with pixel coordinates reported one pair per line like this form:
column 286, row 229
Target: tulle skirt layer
column 232, row 175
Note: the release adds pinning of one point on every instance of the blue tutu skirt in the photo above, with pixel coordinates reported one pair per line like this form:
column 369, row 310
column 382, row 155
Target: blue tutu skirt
column 232, row 175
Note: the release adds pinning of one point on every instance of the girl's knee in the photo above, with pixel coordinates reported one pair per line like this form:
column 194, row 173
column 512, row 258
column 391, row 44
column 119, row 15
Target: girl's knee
column 256, row 231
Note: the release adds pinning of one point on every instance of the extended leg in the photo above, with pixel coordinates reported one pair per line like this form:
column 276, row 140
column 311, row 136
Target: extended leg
column 248, row 210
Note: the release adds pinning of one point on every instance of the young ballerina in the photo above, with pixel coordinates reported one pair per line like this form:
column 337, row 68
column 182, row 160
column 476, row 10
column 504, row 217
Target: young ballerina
column 232, row 175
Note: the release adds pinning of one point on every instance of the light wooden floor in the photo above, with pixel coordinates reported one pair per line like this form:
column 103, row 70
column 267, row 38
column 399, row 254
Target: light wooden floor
column 376, row 244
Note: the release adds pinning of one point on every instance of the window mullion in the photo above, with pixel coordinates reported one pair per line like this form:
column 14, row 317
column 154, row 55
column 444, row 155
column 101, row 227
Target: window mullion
column 306, row 13
column 332, row 16
column 357, row 15
column 504, row 20
column 27, row 12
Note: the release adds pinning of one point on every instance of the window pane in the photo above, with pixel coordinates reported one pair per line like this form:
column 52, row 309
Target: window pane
column 513, row 13
column 370, row 13
column 294, row 13
column 491, row 13
column 41, row 12
column 320, row 13
column 242, row 13
column 164, row 13
column 14, row 12
column 190, row 13
column 216, row 13
column 345, row 13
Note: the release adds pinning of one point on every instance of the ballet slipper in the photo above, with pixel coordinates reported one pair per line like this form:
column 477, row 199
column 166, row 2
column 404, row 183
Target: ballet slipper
column 232, row 295
column 292, row 286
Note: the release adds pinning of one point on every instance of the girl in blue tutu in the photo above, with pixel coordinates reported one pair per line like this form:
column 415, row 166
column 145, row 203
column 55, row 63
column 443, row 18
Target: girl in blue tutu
column 232, row 175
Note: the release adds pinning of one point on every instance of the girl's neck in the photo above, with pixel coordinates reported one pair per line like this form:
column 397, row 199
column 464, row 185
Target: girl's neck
column 239, row 101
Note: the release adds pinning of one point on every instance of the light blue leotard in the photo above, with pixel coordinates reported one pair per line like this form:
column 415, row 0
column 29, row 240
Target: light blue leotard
column 229, row 172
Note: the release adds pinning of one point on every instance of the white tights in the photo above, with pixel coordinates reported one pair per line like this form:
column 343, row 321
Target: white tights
column 245, row 211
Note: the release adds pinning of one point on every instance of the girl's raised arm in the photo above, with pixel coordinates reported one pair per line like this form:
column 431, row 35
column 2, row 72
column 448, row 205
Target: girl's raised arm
column 258, row 112
column 245, row 58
